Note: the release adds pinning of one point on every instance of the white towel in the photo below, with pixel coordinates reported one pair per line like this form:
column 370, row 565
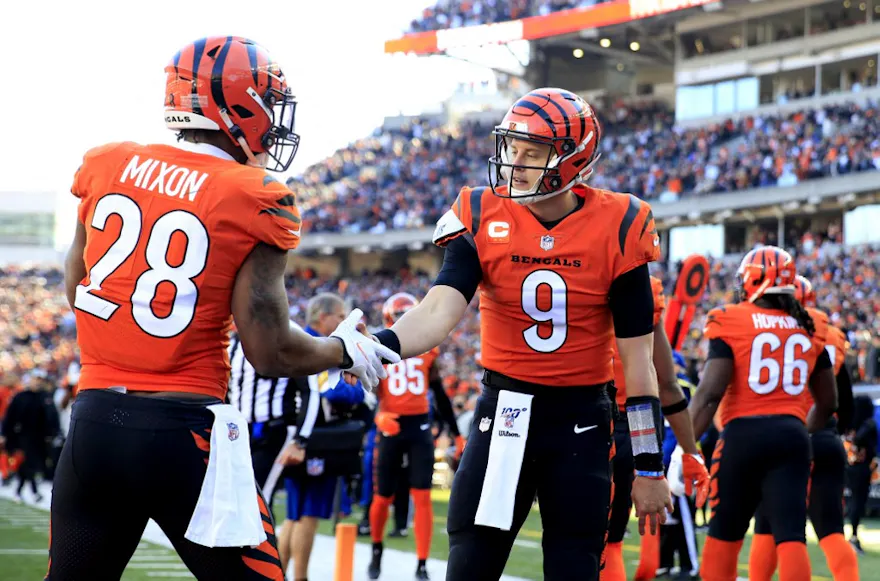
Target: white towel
column 506, row 450
column 227, row 513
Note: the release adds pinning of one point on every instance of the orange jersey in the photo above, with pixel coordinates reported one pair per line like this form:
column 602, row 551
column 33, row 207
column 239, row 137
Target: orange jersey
column 544, row 312
column 773, row 358
column 167, row 231
column 659, row 305
column 405, row 390
column 837, row 347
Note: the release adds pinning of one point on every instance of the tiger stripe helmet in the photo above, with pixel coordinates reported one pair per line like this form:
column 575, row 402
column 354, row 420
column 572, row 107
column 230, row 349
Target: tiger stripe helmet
column 396, row 305
column 803, row 291
column 231, row 84
column 554, row 117
column 765, row 270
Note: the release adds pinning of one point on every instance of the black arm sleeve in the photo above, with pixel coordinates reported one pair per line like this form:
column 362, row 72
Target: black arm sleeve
column 461, row 268
column 844, row 401
column 632, row 303
column 823, row 361
column 444, row 406
column 307, row 414
column 719, row 349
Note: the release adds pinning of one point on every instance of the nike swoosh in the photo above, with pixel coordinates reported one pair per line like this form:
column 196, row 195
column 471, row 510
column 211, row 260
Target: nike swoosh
column 578, row 430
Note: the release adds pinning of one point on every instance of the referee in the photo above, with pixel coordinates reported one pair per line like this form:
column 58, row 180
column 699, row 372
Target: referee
column 270, row 405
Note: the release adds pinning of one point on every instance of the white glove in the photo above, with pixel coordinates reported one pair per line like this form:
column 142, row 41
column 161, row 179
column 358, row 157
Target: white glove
column 365, row 353
column 674, row 476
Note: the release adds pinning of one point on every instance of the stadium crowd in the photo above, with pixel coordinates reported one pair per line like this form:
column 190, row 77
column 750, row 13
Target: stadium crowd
column 457, row 13
column 404, row 178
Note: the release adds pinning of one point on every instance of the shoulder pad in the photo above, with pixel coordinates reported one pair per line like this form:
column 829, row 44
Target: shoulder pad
column 449, row 226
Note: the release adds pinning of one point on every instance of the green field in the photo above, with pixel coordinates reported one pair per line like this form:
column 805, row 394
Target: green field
column 24, row 538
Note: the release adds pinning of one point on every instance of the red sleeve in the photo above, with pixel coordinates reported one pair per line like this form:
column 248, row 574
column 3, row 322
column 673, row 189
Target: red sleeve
column 276, row 220
column 456, row 221
column 86, row 175
column 636, row 241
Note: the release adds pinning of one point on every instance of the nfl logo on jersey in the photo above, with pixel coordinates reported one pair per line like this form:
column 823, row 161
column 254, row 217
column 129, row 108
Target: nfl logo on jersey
column 484, row 424
column 233, row 431
column 546, row 242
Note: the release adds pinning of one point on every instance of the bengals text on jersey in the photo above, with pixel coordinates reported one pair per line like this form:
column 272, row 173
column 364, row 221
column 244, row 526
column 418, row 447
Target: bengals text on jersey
column 619, row 379
column 405, row 390
column 773, row 360
column 544, row 297
column 167, row 230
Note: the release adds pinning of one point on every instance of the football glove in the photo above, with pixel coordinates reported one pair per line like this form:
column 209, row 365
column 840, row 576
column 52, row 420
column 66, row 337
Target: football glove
column 362, row 352
column 687, row 471
column 386, row 422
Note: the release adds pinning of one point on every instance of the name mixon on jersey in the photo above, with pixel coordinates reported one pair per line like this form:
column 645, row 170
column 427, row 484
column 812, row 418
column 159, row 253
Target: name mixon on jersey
column 762, row 321
column 170, row 180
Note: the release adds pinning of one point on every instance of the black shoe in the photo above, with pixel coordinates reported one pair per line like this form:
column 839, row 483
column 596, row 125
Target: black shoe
column 399, row 534
column 375, row 568
column 854, row 541
column 422, row 573
column 364, row 528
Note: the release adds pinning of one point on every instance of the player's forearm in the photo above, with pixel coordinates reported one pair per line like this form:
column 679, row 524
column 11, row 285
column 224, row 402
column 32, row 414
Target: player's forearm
column 430, row 322
column 684, row 431
column 638, row 369
column 702, row 410
column 74, row 265
column 302, row 354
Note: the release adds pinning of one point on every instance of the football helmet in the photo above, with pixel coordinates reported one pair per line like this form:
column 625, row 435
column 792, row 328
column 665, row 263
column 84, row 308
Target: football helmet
column 396, row 306
column 231, row 84
column 803, row 291
column 765, row 270
column 553, row 117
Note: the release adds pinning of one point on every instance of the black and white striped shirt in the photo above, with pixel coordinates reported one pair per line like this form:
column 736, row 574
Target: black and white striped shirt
column 260, row 399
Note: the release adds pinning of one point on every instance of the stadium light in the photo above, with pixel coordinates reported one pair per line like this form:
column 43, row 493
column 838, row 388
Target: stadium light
column 634, row 46
column 605, row 42
column 578, row 53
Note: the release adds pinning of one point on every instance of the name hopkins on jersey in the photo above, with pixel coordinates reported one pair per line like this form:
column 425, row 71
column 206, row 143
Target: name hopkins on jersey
column 546, row 261
column 762, row 321
column 170, row 180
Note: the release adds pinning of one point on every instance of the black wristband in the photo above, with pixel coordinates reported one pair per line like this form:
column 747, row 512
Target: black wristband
column 646, row 432
column 347, row 361
column 389, row 338
column 673, row 409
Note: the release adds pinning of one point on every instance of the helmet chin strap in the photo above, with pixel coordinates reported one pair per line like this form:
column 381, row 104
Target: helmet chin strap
column 253, row 160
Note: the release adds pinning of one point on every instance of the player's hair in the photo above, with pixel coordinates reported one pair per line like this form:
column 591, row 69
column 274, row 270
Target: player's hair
column 788, row 304
column 321, row 304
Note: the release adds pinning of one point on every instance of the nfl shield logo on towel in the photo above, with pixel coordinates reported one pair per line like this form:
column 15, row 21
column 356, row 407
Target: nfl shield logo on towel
column 546, row 242
column 484, row 424
column 233, row 431
column 315, row 466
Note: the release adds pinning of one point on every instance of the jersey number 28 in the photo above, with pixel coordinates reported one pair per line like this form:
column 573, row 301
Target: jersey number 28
column 770, row 343
column 158, row 242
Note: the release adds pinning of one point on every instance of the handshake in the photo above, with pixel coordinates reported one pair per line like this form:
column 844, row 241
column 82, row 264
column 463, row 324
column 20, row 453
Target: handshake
column 364, row 355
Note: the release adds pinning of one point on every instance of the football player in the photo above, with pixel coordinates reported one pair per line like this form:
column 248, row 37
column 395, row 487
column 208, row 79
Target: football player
column 563, row 269
column 404, row 428
column 675, row 404
column 825, row 503
column 763, row 353
column 171, row 242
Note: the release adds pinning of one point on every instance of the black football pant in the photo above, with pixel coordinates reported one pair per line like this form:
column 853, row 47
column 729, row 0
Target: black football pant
column 624, row 473
column 826, row 487
column 765, row 460
column 570, row 472
column 128, row 459
column 267, row 439
column 415, row 443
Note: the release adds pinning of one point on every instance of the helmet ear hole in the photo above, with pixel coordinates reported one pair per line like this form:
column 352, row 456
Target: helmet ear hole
column 242, row 112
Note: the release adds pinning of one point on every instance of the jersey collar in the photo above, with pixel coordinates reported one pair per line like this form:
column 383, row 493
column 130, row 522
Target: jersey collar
column 203, row 148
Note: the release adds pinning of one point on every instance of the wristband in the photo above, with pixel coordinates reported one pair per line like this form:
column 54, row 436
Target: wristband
column 347, row 362
column 388, row 338
column 653, row 475
column 643, row 415
column 673, row 409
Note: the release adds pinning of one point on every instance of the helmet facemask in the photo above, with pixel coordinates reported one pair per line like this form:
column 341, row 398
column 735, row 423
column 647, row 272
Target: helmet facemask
column 550, row 182
column 279, row 143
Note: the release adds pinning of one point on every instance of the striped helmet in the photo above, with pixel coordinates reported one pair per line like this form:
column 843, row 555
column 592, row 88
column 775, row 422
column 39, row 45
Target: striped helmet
column 231, row 84
column 803, row 291
column 553, row 117
column 765, row 270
